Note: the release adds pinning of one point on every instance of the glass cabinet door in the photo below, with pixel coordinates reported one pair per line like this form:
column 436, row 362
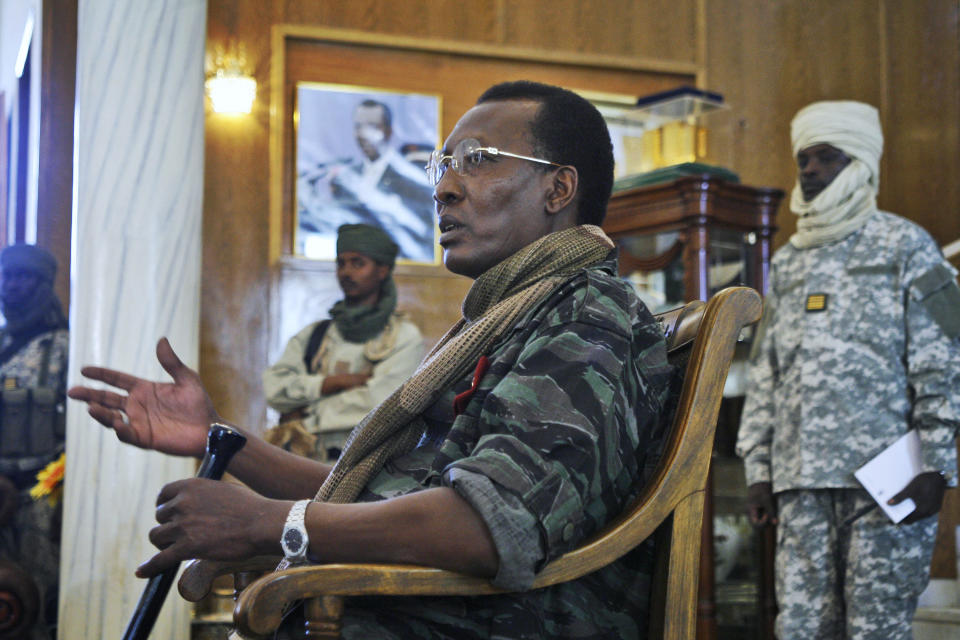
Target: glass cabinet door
column 654, row 264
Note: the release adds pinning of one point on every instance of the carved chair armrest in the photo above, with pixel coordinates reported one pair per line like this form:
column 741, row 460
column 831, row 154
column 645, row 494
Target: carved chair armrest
column 198, row 575
column 260, row 606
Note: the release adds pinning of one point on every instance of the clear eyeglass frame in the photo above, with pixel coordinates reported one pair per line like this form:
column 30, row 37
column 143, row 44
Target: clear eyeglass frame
column 467, row 157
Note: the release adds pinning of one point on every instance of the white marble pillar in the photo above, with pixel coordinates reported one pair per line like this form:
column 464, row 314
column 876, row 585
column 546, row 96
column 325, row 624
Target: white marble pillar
column 138, row 180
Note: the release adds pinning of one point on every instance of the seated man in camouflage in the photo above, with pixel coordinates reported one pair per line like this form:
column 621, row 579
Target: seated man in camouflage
column 523, row 432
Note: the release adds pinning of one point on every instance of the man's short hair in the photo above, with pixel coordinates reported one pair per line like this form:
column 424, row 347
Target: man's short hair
column 384, row 109
column 568, row 130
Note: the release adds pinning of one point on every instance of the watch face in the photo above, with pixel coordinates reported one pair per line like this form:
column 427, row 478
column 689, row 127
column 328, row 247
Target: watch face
column 293, row 541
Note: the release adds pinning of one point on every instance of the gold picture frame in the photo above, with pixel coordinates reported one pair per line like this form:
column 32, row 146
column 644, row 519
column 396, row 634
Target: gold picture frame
column 360, row 154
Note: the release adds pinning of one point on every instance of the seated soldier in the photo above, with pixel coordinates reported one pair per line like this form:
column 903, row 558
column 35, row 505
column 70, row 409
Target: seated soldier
column 523, row 432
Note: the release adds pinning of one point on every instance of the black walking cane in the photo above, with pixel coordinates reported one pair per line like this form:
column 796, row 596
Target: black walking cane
column 222, row 443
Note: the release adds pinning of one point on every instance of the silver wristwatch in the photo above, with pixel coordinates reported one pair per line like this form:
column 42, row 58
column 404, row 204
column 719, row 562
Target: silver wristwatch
column 294, row 541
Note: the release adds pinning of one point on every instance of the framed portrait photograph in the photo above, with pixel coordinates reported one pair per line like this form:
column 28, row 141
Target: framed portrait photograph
column 360, row 155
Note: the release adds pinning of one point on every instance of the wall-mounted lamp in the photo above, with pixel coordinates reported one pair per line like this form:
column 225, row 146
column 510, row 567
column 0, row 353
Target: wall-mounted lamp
column 231, row 88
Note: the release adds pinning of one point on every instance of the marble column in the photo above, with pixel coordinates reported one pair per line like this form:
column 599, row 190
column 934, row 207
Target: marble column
column 138, row 186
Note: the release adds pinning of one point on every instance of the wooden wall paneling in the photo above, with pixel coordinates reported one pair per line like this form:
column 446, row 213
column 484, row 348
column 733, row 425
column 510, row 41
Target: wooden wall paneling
column 235, row 285
column 235, row 288
column 655, row 29
column 922, row 121
column 471, row 21
column 944, row 562
column 743, row 62
column 55, row 176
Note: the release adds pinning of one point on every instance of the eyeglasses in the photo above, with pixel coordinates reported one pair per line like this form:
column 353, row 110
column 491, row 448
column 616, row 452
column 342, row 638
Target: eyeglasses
column 467, row 158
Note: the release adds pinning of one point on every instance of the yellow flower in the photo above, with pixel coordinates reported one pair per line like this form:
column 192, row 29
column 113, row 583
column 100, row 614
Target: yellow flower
column 50, row 481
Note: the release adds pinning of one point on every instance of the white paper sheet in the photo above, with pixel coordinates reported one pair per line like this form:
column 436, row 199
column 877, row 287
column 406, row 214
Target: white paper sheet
column 890, row 471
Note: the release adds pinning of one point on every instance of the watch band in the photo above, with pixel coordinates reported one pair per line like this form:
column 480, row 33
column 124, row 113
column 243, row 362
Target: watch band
column 294, row 540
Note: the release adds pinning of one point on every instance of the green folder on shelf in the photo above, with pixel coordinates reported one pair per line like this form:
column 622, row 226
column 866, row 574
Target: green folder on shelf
column 669, row 174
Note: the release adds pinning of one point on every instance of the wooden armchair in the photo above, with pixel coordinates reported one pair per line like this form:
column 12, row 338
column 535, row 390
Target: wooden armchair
column 700, row 336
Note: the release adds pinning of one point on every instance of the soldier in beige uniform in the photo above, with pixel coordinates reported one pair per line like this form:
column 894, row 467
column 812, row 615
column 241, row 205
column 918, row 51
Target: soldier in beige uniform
column 858, row 345
column 333, row 372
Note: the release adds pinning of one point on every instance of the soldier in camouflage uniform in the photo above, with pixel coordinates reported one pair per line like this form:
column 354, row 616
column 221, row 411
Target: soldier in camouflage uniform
column 858, row 345
column 33, row 368
column 524, row 431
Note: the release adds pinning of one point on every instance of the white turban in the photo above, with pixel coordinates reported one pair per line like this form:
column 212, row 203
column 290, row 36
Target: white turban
column 852, row 127
column 850, row 199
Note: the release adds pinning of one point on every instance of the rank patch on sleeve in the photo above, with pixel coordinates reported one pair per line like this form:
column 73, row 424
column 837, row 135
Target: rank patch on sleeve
column 816, row 302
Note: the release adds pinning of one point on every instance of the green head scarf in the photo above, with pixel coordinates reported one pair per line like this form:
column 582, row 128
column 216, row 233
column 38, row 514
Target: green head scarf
column 372, row 242
column 359, row 324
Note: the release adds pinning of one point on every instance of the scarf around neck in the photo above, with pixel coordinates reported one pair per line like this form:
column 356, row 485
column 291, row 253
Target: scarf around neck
column 843, row 207
column 497, row 299
column 359, row 323
column 24, row 322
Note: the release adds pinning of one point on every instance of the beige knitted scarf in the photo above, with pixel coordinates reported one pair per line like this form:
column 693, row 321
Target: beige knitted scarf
column 495, row 302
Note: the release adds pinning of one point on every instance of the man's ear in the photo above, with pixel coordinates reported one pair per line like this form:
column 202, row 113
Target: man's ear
column 562, row 190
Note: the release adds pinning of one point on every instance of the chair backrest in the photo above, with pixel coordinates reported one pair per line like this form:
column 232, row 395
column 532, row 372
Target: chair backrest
column 671, row 502
column 680, row 327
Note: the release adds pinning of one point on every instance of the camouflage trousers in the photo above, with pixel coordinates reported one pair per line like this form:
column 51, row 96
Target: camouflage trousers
column 844, row 570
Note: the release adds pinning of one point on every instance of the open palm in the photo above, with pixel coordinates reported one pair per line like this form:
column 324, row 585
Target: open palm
column 172, row 417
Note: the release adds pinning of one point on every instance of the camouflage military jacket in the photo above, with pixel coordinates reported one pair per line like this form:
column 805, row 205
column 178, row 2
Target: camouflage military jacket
column 857, row 345
column 546, row 442
column 24, row 368
column 28, row 444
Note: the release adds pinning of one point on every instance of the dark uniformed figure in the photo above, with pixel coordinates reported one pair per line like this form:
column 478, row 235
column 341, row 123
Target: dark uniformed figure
column 33, row 370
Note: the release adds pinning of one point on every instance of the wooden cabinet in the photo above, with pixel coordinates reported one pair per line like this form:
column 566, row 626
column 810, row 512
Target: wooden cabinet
column 684, row 240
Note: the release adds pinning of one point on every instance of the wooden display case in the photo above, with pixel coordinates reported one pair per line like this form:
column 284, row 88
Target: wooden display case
column 684, row 240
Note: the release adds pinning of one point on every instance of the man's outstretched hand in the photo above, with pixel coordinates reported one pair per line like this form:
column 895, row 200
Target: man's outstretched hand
column 926, row 490
column 171, row 417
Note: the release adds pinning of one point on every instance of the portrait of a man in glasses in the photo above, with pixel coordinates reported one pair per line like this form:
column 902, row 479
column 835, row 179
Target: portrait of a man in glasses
column 360, row 158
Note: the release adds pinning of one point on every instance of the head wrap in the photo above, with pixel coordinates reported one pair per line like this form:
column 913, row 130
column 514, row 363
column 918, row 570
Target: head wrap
column 41, row 311
column 846, row 204
column 372, row 242
column 852, row 127
column 31, row 258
